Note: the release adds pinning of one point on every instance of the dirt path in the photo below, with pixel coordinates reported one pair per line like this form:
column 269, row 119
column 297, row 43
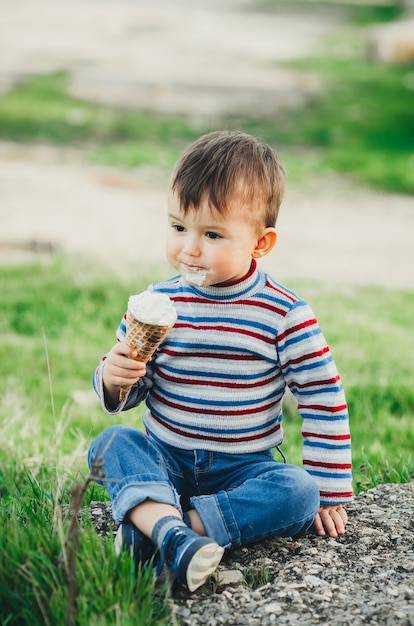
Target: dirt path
column 200, row 60
column 334, row 233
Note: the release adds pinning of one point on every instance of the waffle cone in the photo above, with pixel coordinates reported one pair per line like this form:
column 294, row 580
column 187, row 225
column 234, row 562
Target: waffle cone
column 145, row 338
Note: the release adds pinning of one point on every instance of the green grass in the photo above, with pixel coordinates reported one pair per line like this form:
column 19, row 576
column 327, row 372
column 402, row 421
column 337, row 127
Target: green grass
column 360, row 124
column 35, row 570
column 46, row 332
column 49, row 348
column 40, row 110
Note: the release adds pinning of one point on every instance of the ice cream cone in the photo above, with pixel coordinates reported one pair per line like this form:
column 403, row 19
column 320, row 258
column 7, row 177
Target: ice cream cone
column 145, row 338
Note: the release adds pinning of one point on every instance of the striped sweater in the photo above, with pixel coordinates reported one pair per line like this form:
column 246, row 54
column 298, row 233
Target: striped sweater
column 218, row 379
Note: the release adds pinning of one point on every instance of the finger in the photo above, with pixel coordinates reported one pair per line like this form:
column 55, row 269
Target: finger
column 118, row 358
column 328, row 522
column 343, row 515
column 124, row 349
column 334, row 520
column 130, row 365
column 318, row 526
column 339, row 519
column 120, row 370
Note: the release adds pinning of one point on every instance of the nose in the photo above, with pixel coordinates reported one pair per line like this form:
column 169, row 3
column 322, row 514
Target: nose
column 192, row 245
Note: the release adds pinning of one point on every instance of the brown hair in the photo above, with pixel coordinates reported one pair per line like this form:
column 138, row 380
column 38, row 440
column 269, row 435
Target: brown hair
column 225, row 165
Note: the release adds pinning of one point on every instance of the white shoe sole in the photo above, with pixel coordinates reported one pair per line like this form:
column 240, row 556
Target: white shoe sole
column 203, row 564
column 118, row 541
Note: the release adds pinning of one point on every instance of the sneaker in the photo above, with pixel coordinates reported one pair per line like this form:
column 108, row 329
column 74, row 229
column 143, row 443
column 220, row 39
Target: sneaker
column 191, row 558
column 128, row 537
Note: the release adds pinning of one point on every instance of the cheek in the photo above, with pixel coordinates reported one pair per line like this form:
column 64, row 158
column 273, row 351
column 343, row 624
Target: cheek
column 171, row 244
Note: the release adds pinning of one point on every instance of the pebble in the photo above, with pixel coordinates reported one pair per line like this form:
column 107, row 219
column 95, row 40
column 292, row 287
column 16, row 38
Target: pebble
column 363, row 577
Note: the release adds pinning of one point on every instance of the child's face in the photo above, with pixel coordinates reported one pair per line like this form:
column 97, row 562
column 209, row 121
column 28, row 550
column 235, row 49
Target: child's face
column 209, row 248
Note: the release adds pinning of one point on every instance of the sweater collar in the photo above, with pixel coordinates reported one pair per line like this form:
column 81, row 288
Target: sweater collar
column 245, row 286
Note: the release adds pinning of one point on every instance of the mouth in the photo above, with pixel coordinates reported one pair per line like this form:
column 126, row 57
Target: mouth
column 195, row 274
column 193, row 268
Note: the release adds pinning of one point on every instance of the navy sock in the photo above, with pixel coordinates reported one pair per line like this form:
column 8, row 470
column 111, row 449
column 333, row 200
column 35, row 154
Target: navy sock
column 163, row 526
column 187, row 519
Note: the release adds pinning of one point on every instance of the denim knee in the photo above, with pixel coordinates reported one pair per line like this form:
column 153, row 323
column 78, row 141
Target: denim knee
column 101, row 443
column 133, row 469
column 281, row 501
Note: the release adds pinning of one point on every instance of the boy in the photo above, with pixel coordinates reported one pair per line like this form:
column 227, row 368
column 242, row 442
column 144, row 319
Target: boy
column 203, row 477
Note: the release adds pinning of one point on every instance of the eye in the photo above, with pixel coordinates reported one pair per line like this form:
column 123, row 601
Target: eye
column 178, row 228
column 211, row 235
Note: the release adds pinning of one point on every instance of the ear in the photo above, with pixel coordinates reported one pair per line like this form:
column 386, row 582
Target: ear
column 265, row 243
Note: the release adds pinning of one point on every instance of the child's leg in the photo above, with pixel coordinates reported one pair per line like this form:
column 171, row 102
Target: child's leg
column 259, row 498
column 142, row 490
column 134, row 470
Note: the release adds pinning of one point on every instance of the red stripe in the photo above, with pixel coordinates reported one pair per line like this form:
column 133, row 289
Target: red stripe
column 201, row 411
column 189, row 299
column 211, row 355
column 251, row 303
column 205, row 436
column 321, row 407
column 306, row 357
column 333, row 437
column 338, row 494
column 294, row 329
column 216, row 383
column 228, row 329
column 263, row 305
column 288, row 296
column 327, row 465
column 317, row 383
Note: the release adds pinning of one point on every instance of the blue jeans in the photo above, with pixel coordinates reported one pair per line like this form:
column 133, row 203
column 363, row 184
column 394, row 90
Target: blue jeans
column 240, row 498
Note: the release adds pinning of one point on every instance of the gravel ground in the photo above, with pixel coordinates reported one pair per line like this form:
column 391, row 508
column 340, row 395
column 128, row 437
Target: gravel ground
column 364, row 577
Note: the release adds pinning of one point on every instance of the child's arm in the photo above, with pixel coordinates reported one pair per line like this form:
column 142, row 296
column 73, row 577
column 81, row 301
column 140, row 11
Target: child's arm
column 120, row 370
column 311, row 374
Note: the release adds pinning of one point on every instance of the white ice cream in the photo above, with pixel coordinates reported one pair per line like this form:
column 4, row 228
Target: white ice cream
column 196, row 276
column 152, row 308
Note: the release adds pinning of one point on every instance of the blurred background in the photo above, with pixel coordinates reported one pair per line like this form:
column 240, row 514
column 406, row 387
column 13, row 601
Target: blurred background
column 97, row 100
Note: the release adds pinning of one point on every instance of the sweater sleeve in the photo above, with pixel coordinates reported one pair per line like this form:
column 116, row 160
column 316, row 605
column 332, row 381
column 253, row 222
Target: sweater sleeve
column 311, row 374
column 137, row 392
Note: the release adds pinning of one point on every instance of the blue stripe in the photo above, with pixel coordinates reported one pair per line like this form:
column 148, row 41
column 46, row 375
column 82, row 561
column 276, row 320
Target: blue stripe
column 218, row 375
column 221, row 348
column 202, row 346
column 270, row 299
column 336, row 475
column 309, row 366
column 290, row 341
column 208, row 296
column 312, row 392
column 219, row 431
column 231, row 321
column 332, row 417
column 327, row 446
column 277, row 299
column 222, row 403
